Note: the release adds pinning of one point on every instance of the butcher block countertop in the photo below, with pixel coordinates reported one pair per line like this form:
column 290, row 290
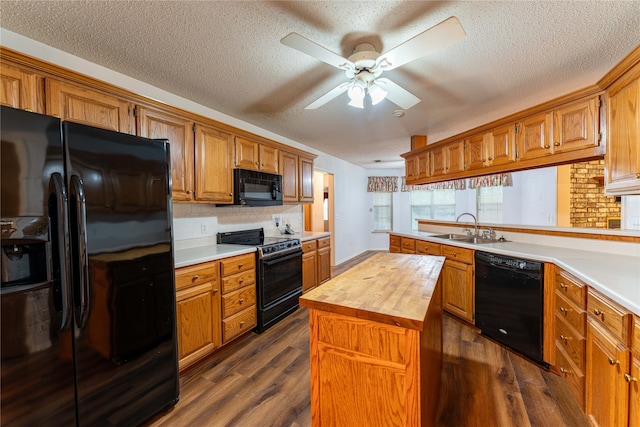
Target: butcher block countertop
column 388, row 288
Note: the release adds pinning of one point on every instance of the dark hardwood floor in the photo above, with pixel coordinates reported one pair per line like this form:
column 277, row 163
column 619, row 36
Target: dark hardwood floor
column 263, row 380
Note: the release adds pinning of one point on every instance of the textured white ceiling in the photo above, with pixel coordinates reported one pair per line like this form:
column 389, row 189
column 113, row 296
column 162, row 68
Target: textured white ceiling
column 227, row 55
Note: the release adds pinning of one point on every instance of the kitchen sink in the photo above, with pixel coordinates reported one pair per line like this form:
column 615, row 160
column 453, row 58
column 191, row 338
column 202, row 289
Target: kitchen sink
column 467, row 239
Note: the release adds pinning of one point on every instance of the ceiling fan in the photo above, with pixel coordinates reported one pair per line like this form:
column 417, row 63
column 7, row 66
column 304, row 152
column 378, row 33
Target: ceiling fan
column 365, row 65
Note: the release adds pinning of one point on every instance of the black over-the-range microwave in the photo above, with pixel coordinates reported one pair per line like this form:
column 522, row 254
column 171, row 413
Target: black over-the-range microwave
column 253, row 188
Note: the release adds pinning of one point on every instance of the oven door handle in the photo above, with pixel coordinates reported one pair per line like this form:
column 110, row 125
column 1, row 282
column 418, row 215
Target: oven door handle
column 278, row 259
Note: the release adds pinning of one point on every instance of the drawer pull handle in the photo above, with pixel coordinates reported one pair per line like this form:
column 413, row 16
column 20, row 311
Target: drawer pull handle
column 563, row 310
column 240, row 265
column 241, row 280
column 597, row 312
column 194, row 278
column 628, row 378
column 563, row 286
column 215, row 290
column 565, row 338
column 564, row 371
column 241, row 323
column 613, row 361
column 241, row 300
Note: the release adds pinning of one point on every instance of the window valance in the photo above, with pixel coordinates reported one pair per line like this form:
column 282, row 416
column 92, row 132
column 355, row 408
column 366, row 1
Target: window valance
column 456, row 184
column 383, row 183
column 495, row 180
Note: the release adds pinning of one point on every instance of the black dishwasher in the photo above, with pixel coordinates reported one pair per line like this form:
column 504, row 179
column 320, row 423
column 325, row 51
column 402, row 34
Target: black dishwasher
column 509, row 302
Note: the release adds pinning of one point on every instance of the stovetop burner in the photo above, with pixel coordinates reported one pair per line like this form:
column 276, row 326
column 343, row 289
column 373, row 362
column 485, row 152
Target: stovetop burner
column 267, row 246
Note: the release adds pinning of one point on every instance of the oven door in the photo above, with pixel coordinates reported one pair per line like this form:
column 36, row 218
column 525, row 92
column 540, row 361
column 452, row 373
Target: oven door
column 279, row 287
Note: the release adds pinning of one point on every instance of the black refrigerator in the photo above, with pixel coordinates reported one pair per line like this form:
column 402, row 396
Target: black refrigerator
column 88, row 333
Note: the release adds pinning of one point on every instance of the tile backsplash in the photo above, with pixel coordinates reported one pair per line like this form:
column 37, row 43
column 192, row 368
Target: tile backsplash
column 200, row 221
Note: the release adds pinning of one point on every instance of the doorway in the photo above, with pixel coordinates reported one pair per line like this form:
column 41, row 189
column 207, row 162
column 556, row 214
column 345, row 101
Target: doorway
column 318, row 216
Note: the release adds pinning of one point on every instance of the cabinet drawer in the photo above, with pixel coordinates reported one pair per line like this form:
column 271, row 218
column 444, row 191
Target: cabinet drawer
column 573, row 376
column 196, row 275
column 308, row 246
column 575, row 316
column 609, row 314
column 238, row 300
column 238, row 264
column 238, row 324
column 458, row 254
column 325, row 242
column 395, row 249
column 427, row 248
column 571, row 287
column 408, row 245
column 572, row 342
column 237, row 281
column 394, row 240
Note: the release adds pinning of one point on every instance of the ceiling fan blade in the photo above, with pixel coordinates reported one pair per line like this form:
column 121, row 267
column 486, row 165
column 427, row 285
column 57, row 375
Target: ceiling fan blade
column 441, row 35
column 333, row 93
column 399, row 96
column 313, row 49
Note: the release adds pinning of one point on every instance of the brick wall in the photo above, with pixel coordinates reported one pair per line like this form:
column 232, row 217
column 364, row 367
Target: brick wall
column 589, row 207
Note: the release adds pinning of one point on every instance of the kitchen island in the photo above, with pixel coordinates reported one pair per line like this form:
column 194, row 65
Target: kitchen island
column 376, row 343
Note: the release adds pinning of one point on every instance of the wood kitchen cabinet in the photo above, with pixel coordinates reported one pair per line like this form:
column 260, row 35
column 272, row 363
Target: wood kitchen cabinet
column 458, row 282
column 417, row 167
column 533, row 137
column 213, row 160
column 575, row 125
column 80, row 104
column 570, row 332
column 324, row 259
column 395, row 244
column 254, row 155
column 622, row 172
column 155, row 123
column 297, row 177
column 407, row 245
column 309, row 265
column 608, row 360
column 491, row 148
column 448, row 159
column 238, row 277
column 197, row 312
column 21, row 88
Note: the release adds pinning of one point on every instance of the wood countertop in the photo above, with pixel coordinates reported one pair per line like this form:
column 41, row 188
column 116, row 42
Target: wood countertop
column 388, row 288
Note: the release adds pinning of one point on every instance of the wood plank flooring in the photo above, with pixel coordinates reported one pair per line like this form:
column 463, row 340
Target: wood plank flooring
column 263, row 380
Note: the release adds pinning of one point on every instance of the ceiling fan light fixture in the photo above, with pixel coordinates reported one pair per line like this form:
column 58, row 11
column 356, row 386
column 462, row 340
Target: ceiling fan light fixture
column 376, row 93
column 356, row 94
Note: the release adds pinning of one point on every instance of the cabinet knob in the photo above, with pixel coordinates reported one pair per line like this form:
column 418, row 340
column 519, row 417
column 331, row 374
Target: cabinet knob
column 628, row 378
column 597, row 312
column 565, row 338
column 547, row 146
column 563, row 310
column 241, row 300
column 215, row 290
column 240, row 265
column 557, row 144
column 241, row 323
column 194, row 278
column 564, row 371
column 240, row 280
column 613, row 361
column 563, row 286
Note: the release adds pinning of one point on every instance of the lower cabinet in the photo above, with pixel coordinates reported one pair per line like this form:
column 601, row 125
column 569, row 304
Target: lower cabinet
column 395, row 244
column 316, row 262
column 197, row 311
column 215, row 303
column 324, row 259
column 457, row 282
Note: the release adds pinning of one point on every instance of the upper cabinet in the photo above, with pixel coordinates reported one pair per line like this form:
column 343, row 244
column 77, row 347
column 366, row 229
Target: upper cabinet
column 155, row 123
column 87, row 106
column 213, row 160
column 418, row 167
column 256, row 156
column 575, row 126
column 534, row 137
column 297, row 177
column 622, row 173
column 21, row 89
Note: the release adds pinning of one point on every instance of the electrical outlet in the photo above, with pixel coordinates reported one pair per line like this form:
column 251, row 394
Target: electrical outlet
column 203, row 228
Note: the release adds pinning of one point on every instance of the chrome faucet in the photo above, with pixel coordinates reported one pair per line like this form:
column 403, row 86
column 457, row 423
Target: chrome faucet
column 475, row 221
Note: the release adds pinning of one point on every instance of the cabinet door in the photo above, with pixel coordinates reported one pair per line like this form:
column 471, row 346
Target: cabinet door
column 246, row 153
column 309, row 271
column 455, row 157
column 501, row 145
column 607, row 402
column 214, row 172
column 438, row 161
column 634, row 392
column 574, row 126
column 268, row 158
column 623, row 138
column 179, row 131
column 324, row 265
column 457, row 281
column 89, row 107
column 289, row 171
column 21, row 89
column 423, row 166
column 411, row 169
column 476, row 151
column 305, row 182
column 195, row 322
column 533, row 137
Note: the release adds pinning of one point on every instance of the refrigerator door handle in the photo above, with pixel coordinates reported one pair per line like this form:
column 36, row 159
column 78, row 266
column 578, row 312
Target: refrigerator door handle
column 58, row 196
column 77, row 196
